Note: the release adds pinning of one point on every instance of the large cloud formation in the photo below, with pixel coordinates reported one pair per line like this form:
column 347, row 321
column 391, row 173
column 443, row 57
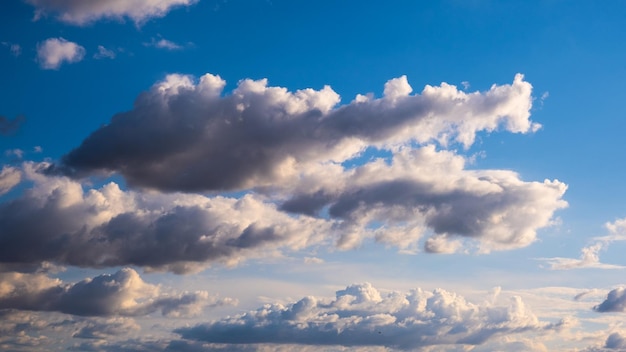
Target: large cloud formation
column 122, row 293
column 360, row 315
column 184, row 136
column 80, row 12
column 111, row 227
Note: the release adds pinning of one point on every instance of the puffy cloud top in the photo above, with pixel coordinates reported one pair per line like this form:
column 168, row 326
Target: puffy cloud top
column 360, row 315
column 184, row 136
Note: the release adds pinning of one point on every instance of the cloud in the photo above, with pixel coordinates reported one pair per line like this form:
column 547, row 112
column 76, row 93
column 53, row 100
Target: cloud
column 262, row 136
column 104, row 329
column 616, row 341
column 53, row 52
column 123, row 293
column 615, row 301
column 589, row 256
column 360, row 315
column 164, row 44
column 104, row 53
column 9, row 178
column 423, row 190
column 79, row 12
column 8, row 126
column 110, row 227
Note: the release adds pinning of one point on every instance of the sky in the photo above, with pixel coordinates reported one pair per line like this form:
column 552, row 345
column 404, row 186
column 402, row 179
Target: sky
column 273, row 175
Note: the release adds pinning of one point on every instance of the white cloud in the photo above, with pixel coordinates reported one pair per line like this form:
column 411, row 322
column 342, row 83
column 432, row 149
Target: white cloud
column 361, row 316
column 164, row 44
column 122, row 293
column 9, row 178
column 54, row 52
column 79, row 12
column 263, row 136
column 589, row 257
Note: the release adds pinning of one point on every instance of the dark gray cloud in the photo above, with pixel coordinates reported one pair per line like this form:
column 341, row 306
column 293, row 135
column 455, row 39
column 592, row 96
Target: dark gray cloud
column 361, row 316
column 615, row 301
column 123, row 293
column 79, row 12
column 425, row 190
column 185, row 136
column 8, row 126
column 110, row 227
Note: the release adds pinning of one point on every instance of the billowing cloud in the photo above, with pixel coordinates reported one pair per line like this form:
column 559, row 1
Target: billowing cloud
column 54, row 52
column 616, row 341
column 360, row 315
column 8, row 126
column 615, row 301
column 423, row 190
column 122, row 293
column 79, row 12
column 184, row 136
column 111, row 227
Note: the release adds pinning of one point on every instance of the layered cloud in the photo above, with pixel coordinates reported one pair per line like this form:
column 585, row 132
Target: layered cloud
column 9, row 178
column 58, row 221
column 122, row 293
column 185, row 136
column 360, row 315
column 428, row 191
column 79, row 12
column 54, row 52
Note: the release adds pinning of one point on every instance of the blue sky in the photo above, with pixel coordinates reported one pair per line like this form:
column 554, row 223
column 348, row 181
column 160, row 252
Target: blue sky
column 337, row 176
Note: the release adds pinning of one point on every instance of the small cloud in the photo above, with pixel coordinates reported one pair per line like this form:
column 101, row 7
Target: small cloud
column 163, row 43
column 465, row 85
column 18, row 153
column 37, row 149
column 313, row 260
column 104, row 53
column 15, row 49
column 53, row 52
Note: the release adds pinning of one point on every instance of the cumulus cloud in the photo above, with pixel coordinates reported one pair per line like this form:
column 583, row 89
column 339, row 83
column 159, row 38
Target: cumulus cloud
column 426, row 189
column 615, row 301
column 8, row 126
column 54, row 52
column 262, row 136
column 111, row 227
column 79, row 12
column 616, row 341
column 360, row 315
column 123, row 293
column 590, row 255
